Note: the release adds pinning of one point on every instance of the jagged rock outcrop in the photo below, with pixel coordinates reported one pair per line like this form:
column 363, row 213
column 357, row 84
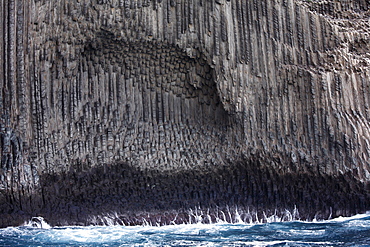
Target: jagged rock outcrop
column 153, row 107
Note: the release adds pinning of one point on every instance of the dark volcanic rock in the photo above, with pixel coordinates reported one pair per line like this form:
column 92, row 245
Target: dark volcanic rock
column 145, row 110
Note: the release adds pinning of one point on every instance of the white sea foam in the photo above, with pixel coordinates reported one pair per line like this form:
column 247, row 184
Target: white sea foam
column 355, row 217
column 303, row 232
column 276, row 242
column 37, row 222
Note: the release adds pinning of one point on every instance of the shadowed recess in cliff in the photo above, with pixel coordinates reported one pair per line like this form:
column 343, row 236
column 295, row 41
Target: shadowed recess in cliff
column 159, row 196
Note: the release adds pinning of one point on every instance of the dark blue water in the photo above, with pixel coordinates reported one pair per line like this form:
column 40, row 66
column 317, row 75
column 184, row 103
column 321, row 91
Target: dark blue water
column 353, row 231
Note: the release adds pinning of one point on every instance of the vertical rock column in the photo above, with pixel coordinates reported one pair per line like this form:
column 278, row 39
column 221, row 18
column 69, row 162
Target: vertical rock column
column 17, row 176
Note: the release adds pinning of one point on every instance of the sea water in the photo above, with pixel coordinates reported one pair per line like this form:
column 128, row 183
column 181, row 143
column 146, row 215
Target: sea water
column 351, row 231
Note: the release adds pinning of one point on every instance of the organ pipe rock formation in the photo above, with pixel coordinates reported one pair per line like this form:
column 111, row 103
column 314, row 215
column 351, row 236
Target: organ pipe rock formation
column 146, row 109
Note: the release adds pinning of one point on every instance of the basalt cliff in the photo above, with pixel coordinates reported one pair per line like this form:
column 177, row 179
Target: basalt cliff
column 133, row 111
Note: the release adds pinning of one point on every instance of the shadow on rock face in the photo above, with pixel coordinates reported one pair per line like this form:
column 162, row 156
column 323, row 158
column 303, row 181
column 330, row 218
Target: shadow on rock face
column 133, row 195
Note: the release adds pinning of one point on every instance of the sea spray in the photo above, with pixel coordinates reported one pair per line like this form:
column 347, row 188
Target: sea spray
column 195, row 215
column 37, row 222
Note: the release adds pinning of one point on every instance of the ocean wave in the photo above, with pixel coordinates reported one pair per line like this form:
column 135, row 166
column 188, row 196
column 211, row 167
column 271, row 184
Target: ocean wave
column 343, row 231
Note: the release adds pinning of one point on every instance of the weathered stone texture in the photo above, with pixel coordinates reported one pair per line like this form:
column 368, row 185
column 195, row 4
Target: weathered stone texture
column 261, row 104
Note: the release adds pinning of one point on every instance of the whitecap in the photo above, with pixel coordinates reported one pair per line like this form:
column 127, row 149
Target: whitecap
column 37, row 222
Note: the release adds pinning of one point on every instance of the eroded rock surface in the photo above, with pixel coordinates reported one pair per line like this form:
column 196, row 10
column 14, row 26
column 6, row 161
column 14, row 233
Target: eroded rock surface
column 156, row 107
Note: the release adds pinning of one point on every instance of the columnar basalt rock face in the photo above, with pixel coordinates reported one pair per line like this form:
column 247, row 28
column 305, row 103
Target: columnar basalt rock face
column 155, row 107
